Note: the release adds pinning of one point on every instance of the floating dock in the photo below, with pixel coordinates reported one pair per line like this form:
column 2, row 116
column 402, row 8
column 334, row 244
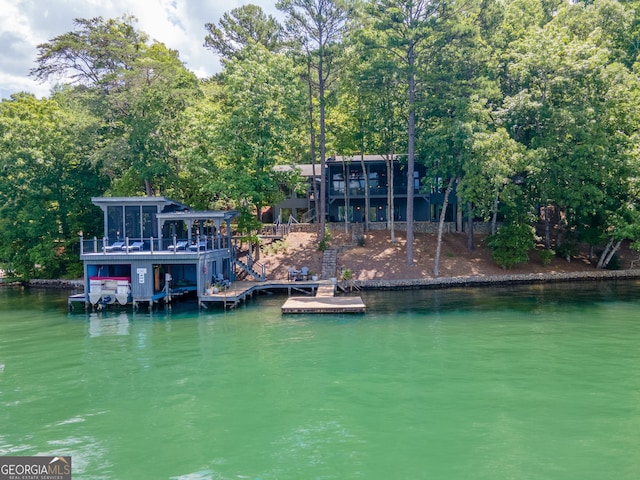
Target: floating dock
column 324, row 305
column 324, row 301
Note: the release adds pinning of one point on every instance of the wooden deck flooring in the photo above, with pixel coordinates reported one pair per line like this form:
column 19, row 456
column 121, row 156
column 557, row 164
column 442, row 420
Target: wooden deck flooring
column 319, row 296
column 324, row 304
column 324, row 301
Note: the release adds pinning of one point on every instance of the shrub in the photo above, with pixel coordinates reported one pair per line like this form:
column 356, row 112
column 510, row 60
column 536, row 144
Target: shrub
column 511, row 244
column 546, row 256
column 568, row 249
column 346, row 274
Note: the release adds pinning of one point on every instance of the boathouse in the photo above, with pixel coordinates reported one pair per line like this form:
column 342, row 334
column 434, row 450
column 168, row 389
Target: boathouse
column 154, row 249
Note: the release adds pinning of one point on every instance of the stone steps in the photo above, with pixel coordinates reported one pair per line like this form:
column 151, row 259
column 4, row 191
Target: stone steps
column 329, row 263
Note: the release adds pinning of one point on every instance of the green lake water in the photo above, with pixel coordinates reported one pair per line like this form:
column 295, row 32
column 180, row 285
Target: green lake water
column 538, row 382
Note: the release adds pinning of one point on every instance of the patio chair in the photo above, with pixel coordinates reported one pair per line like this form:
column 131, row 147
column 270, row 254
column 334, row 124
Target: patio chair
column 178, row 246
column 135, row 246
column 304, row 273
column 222, row 281
column 293, row 274
column 114, row 246
column 196, row 247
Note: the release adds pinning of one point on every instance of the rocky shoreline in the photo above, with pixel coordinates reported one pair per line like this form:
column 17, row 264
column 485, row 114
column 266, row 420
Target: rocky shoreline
column 52, row 283
column 420, row 283
column 498, row 280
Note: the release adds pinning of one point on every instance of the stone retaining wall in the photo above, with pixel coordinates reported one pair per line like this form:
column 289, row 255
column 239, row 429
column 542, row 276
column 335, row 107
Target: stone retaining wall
column 531, row 278
column 441, row 282
column 418, row 227
column 44, row 283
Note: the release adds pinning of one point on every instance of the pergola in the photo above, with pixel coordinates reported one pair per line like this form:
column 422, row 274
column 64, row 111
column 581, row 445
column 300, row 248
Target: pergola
column 191, row 218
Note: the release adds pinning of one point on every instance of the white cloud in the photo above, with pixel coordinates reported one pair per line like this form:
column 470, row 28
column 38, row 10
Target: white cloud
column 179, row 24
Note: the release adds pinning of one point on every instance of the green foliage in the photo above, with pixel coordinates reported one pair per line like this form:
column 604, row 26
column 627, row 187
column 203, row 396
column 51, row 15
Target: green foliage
column 247, row 222
column 323, row 244
column 257, row 126
column 241, row 27
column 523, row 103
column 46, row 184
column 346, row 274
column 511, row 244
column 568, row 248
column 546, row 256
column 275, row 247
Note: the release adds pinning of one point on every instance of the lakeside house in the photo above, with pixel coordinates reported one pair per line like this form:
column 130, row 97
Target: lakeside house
column 361, row 189
column 155, row 248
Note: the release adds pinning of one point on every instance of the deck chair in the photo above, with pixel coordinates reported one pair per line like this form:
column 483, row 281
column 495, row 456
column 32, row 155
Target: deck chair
column 196, row 247
column 114, row 246
column 304, row 273
column 135, row 246
column 293, row 274
column 178, row 246
column 222, row 281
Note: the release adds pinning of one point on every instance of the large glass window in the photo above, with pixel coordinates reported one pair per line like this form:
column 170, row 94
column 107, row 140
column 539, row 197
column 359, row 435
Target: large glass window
column 337, row 183
column 115, row 225
column 148, row 221
column 356, row 182
column 341, row 213
column 132, row 221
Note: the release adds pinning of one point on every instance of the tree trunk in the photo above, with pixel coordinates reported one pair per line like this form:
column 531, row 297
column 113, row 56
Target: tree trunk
column 608, row 253
column 367, row 200
column 459, row 212
column 346, row 199
column 323, row 149
column 547, row 227
column 147, row 188
column 445, row 204
column 312, row 149
column 494, row 217
column 470, row 239
column 411, row 82
column 391, row 217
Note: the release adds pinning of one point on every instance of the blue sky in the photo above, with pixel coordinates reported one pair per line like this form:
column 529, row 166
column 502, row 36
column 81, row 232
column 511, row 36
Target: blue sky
column 179, row 24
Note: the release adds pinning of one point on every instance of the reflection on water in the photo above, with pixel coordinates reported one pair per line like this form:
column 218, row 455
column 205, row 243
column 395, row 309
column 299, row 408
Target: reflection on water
column 102, row 324
column 527, row 382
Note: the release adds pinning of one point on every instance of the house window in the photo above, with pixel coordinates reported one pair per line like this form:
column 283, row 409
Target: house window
column 341, row 213
column 115, row 226
column 337, row 183
column 148, row 216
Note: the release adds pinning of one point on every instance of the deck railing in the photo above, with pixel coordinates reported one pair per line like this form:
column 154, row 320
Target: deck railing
column 151, row 245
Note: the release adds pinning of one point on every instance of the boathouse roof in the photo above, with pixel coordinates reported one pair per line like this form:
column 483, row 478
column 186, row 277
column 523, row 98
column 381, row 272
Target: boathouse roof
column 193, row 215
column 159, row 201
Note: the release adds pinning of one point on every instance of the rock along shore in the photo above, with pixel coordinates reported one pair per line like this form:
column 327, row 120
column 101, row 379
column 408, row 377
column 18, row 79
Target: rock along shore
column 484, row 280
column 440, row 282
column 55, row 283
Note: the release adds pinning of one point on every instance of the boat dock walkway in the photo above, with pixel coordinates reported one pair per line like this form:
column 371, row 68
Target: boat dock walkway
column 319, row 296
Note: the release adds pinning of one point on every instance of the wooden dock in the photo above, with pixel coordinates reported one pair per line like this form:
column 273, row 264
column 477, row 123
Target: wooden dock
column 239, row 292
column 324, row 301
column 319, row 296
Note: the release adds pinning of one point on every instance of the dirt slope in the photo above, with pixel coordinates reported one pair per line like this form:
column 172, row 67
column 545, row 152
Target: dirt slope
column 379, row 258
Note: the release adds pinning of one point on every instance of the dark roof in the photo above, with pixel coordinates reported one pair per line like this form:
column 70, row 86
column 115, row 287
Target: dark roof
column 130, row 201
column 199, row 215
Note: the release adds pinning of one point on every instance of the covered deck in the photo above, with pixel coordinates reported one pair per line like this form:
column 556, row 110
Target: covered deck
column 160, row 247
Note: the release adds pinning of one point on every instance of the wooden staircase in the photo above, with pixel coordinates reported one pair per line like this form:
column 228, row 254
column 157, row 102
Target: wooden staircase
column 257, row 270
